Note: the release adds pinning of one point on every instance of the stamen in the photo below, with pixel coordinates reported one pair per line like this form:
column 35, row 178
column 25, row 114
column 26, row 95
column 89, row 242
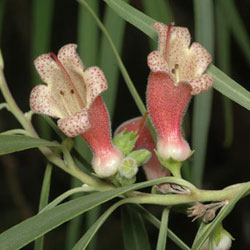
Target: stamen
column 72, row 91
column 139, row 128
column 167, row 39
column 61, row 92
column 176, row 67
column 69, row 79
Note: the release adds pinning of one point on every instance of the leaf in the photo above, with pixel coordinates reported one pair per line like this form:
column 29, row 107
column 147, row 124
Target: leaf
column 116, row 27
column 88, row 236
column 133, row 16
column 44, row 197
column 134, row 232
column 28, row 230
column 238, row 28
column 228, row 87
column 204, row 34
column 209, row 228
column 162, row 238
column 223, row 83
column 15, row 143
column 153, row 220
column 42, row 17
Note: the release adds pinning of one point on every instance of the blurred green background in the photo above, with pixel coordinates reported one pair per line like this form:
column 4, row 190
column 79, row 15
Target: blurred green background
column 29, row 28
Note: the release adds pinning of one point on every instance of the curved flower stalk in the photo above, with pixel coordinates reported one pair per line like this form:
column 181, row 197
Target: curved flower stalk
column 73, row 96
column 177, row 73
column 153, row 168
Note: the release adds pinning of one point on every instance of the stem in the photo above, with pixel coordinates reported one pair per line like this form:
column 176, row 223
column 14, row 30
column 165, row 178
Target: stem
column 195, row 196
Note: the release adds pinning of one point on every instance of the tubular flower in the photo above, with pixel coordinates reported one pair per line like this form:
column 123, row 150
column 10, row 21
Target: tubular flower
column 177, row 73
column 73, row 96
column 152, row 168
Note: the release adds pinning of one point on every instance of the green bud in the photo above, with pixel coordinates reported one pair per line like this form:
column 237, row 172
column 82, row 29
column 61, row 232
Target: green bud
column 141, row 156
column 128, row 168
column 125, row 141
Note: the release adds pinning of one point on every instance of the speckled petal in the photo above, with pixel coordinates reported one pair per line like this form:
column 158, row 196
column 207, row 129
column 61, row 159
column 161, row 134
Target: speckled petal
column 201, row 58
column 201, row 84
column 68, row 55
column 75, row 125
column 95, row 81
column 156, row 62
column 178, row 45
column 162, row 35
column 46, row 67
column 40, row 102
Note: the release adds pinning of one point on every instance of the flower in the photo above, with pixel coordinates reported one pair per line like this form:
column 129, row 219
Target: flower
column 152, row 167
column 73, row 96
column 177, row 73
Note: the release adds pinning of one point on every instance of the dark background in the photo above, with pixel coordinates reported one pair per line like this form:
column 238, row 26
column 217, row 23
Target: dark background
column 21, row 173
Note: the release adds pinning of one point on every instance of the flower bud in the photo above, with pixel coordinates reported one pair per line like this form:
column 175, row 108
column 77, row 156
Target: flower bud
column 141, row 156
column 125, row 141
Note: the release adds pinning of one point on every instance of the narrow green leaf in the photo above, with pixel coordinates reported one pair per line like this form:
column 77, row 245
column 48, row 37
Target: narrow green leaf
column 42, row 15
column 116, row 27
column 162, row 238
column 91, row 218
column 133, row 16
column 224, row 62
column 159, row 10
column 27, row 231
column 206, row 230
column 152, row 219
column 88, row 236
column 75, row 225
column 88, row 38
column 228, row 87
column 44, row 197
column 15, row 143
column 238, row 28
column 204, row 34
column 134, row 232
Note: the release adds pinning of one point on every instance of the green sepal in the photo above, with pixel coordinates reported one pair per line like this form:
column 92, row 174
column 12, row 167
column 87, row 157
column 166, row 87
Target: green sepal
column 125, row 141
column 171, row 164
column 123, row 181
column 141, row 156
column 219, row 233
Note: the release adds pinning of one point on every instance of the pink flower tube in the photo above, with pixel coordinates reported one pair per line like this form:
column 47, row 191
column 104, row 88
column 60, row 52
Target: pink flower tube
column 73, row 96
column 153, row 168
column 176, row 74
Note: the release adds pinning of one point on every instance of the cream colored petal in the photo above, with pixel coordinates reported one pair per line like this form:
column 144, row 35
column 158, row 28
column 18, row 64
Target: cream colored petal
column 75, row 125
column 46, row 67
column 178, row 46
column 96, row 83
column 40, row 102
column 68, row 55
column 201, row 58
column 162, row 35
column 201, row 84
column 156, row 62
